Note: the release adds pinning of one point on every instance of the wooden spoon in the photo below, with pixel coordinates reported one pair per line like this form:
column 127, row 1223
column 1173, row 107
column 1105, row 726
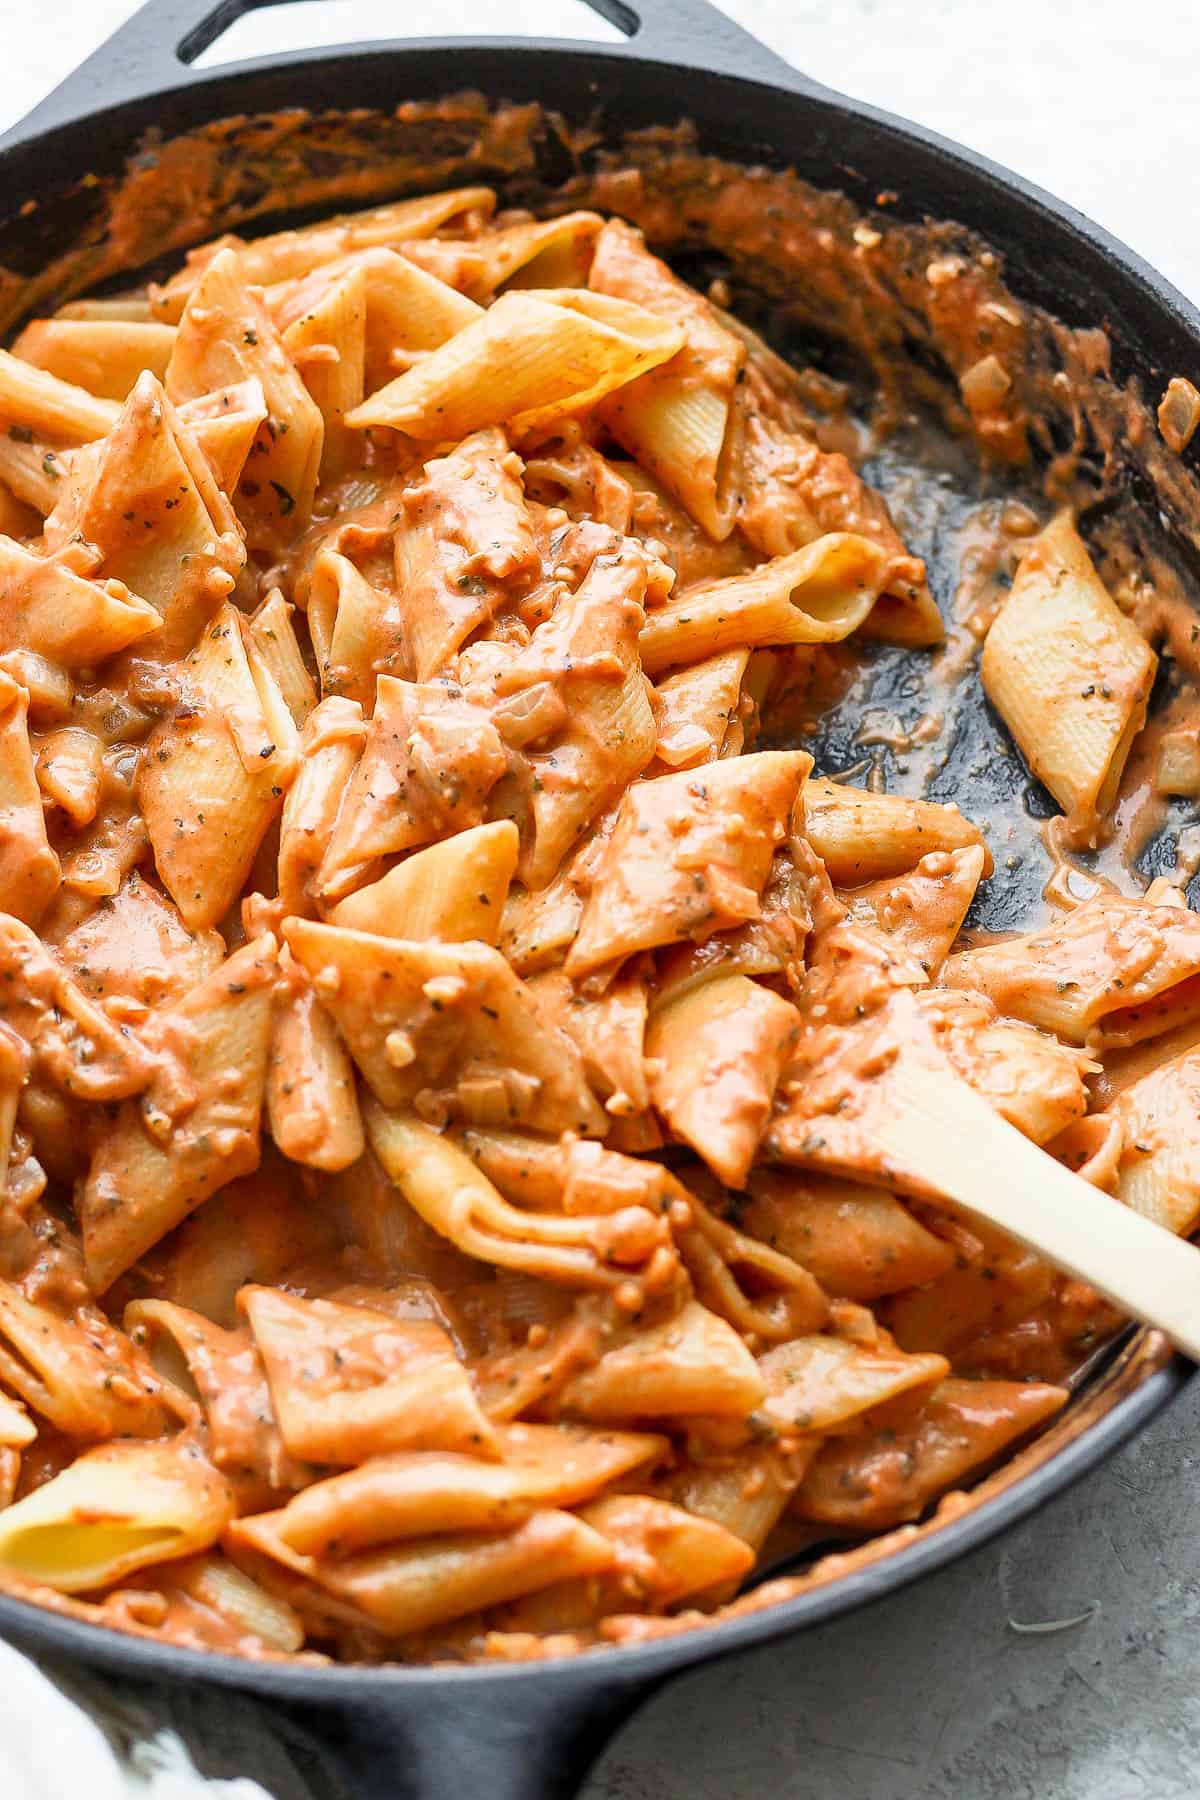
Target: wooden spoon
column 909, row 1118
column 938, row 1133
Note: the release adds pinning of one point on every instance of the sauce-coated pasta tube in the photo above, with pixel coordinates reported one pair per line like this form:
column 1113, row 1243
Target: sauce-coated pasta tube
column 1113, row 972
column 215, row 775
column 863, row 837
column 113, row 1511
column 199, row 1127
column 105, row 356
column 56, row 409
column 226, row 336
column 29, row 869
column 453, row 891
column 1069, row 674
column 531, row 357
column 348, row 1383
column 680, row 421
column 817, row 595
column 416, row 1494
column 285, row 255
column 448, row 1020
column 1159, row 1170
column 689, row 855
column 147, row 498
column 717, row 1052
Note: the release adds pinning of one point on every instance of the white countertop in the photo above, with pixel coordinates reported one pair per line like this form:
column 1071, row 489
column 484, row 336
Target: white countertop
column 932, row 1695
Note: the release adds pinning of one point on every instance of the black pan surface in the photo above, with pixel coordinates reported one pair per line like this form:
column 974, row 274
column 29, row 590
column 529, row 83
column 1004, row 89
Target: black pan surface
column 529, row 1732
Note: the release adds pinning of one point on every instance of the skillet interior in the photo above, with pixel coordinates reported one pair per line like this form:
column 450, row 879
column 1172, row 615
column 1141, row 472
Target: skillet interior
column 96, row 234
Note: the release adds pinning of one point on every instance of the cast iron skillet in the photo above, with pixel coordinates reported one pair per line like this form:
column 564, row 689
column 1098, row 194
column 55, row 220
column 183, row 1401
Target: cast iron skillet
column 530, row 1732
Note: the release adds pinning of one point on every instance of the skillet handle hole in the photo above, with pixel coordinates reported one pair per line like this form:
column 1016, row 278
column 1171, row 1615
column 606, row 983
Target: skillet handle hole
column 237, row 30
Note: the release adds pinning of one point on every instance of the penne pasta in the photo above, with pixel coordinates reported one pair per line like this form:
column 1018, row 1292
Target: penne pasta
column 790, row 493
column 431, row 759
column 80, row 1374
column 198, row 1127
column 327, row 343
column 113, row 1511
column 225, row 1372
column 68, row 1038
column 418, row 1494
column 1113, row 972
column 576, row 703
column 69, row 765
column 924, row 909
column 535, row 253
column 858, row 1242
column 680, row 421
column 665, row 1555
column 1158, row 1173
column 825, row 1383
column 411, row 1587
column 226, row 337
column 698, row 708
column 136, row 946
column 29, row 869
column 49, row 610
column 133, row 306
column 348, row 1383
column 312, row 1104
column 49, row 407
column 284, row 255
column 608, row 1030
column 364, row 629
column 255, row 1229
column 1070, row 676
column 745, row 1491
column 449, row 1023
column 689, row 855
column 146, row 497
column 693, row 1363
column 31, row 472
column 105, row 356
column 225, row 424
column 716, row 1053
column 215, row 775
column 330, row 744
column 530, row 358
column 885, row 1477
column 863, row 837
column 464, row 544
column 408, row 313
column 816, row 595
column 453, row 891
column 20, row 518
column 272, row 644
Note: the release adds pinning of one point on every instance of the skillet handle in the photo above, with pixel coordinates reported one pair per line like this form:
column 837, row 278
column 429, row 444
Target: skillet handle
column 531, row 1735
column 152, row 52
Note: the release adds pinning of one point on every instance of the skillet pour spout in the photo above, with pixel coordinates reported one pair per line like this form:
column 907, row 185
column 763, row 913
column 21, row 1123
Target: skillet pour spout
column 139, row 155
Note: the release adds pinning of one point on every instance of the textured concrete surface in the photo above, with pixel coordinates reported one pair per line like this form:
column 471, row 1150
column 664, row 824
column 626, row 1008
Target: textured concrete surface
column 933, row 1695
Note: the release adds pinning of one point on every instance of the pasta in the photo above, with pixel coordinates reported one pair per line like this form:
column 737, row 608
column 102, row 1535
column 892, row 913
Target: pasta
column 1069, row 674
column 449, row 973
